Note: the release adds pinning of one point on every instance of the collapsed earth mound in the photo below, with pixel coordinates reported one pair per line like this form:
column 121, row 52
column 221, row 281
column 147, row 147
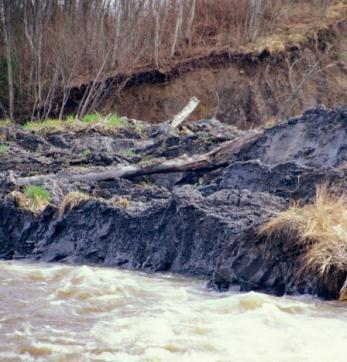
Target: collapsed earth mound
column 188, row 200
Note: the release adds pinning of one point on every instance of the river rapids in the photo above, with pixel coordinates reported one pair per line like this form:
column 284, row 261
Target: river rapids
column 82, row 313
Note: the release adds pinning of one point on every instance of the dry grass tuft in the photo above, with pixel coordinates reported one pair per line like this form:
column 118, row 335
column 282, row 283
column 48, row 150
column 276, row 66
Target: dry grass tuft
column 72, row 200
column 122, row 202
column 19, row 197
column 336, row 10
column 320, row 229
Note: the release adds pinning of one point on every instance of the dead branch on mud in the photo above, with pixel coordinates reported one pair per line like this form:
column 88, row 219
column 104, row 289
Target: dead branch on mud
column 218, row 157
column 180, row 117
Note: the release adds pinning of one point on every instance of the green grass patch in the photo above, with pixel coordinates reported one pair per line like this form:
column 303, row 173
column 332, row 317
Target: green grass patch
column 37, row 197
column 3, row 150
column 42, row 125
column 71, row 122
column 92, row 118
column 115, row 121
column 70, row 119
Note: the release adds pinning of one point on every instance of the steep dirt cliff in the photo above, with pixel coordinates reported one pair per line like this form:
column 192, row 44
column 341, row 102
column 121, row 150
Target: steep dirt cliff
column 246, row 88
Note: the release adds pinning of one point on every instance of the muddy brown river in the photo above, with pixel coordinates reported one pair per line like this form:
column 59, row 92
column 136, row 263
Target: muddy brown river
column 82, row 313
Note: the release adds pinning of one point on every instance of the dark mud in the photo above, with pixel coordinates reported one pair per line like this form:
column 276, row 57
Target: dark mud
column 196, row 223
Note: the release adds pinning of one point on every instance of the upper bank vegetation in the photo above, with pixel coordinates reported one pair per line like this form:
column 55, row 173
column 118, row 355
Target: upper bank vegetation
column 48, row 46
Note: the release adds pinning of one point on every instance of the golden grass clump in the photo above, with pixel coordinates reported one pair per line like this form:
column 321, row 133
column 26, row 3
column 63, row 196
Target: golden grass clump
column 122, row 202
column 72, row 200
column 320, row 229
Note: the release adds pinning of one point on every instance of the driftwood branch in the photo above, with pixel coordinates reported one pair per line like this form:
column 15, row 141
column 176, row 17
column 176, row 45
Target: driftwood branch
column 218, row 157
column 180, row 117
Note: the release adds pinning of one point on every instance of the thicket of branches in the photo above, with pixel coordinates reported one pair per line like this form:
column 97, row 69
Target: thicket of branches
column 48, row 45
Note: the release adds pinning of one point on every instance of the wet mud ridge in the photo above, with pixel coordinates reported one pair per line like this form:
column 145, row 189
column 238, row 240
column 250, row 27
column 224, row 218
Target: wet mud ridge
column 186, row 200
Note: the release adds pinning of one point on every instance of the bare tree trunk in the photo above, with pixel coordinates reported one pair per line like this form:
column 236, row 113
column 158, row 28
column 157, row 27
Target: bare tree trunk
column 66, row 88
column 6, row 22
column 190, row 21
column 116, row 42
column 178, row 27
column 255, row 10
column 322, row 7
column 157, row 36
column 93, row 87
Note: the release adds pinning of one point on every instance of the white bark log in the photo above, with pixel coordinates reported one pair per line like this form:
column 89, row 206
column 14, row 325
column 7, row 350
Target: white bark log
column 180, row 117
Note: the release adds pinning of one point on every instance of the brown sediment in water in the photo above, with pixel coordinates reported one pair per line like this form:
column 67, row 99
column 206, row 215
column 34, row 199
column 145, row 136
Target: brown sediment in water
column 130, row 316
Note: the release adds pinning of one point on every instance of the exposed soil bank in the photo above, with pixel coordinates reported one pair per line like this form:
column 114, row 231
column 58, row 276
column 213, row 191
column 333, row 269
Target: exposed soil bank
column 196, row 223
column 246, row 89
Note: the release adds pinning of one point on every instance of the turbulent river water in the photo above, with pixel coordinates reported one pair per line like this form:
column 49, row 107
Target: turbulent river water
column 82, row 313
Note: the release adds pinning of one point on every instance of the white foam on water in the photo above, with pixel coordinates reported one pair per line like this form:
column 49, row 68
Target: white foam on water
column 81, row 313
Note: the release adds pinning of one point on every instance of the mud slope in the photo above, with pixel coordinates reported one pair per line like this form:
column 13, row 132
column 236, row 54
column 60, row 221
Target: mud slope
column 201, row 223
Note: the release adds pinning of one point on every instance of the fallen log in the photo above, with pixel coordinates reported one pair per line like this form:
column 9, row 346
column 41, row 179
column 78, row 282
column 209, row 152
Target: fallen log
column 218, row 157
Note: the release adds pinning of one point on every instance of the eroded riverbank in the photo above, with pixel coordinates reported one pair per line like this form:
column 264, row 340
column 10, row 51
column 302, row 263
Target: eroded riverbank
column 64, row 313
column 191, row 200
